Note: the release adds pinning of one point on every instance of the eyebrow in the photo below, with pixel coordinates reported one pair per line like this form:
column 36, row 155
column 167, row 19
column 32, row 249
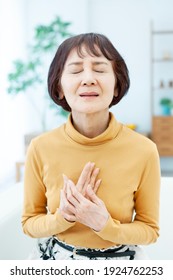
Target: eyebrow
column 94, row 63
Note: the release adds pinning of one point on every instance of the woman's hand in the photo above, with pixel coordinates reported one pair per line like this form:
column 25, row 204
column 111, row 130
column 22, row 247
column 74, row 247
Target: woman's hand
column 65, row 207
column 90, row 212
column 88, row 177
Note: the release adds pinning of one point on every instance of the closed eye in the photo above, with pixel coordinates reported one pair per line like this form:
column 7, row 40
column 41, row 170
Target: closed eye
column 79, row 71
column 76, row 72
column 99, row 71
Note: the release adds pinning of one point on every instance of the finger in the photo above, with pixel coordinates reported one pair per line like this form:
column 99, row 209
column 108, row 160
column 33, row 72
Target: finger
column 65, row 178
column 63, row 196
column 92, row 167
column 92, row 196
column 68, row 217
column 91, row 180
column 67, row 206
column 94, row 176
column 68, row 191
column 97, row 185
column 74, row 195
column 85, row 175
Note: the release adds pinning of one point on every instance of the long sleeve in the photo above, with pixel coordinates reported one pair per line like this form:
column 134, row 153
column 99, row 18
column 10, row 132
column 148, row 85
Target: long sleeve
column 144, row 229
column 130, row 187
column 36, row 219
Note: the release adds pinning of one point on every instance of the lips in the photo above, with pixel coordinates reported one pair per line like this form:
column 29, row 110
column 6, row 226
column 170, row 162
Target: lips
column 89, row 94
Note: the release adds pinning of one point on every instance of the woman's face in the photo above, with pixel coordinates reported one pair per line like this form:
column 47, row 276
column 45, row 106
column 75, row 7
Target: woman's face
column 88, row 83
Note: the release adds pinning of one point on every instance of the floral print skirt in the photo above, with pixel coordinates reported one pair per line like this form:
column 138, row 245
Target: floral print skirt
column 53, row 249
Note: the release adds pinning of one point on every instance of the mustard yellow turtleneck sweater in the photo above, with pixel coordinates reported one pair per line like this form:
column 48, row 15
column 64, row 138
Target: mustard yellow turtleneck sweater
column 130, row 173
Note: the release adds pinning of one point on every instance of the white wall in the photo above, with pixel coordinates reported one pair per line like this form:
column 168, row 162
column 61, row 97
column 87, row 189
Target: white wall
column 125, row 22
column 12, row 46
column 17, row 117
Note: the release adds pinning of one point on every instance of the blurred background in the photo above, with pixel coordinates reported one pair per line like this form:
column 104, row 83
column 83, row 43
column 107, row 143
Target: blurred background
column 31, row 30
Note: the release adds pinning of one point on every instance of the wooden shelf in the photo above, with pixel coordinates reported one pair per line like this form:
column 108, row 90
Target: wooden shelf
column 162, row 134
column 161, row 71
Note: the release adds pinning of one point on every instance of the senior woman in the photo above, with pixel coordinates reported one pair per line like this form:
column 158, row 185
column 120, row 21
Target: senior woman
column 91, row 185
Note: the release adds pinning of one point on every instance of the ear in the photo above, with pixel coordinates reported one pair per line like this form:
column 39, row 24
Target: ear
column 61, row 95
column 115, row 93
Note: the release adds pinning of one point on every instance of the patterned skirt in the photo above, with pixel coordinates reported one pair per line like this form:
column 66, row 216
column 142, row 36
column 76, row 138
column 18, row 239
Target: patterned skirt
column 53, row 249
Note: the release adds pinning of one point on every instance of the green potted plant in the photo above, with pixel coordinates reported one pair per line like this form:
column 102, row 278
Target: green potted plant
column 171, row 108
column 166, row 104
column 29, row 77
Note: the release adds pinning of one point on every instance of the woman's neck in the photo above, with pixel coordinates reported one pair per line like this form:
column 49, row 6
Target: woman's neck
column 90, row 125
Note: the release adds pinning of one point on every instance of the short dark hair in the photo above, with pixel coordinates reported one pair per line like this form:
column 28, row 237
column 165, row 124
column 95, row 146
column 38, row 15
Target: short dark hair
column 94, row 44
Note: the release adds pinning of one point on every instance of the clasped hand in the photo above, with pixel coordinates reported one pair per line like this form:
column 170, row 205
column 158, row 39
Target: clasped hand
column 80, row 203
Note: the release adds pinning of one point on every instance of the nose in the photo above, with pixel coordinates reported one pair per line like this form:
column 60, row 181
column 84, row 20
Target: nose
column 88, row 79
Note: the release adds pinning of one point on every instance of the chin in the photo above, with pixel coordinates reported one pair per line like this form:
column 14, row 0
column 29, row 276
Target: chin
column 90, row 108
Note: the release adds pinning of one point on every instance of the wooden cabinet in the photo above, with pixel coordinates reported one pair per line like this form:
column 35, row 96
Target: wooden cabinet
column 162, row 134
column 161, row 89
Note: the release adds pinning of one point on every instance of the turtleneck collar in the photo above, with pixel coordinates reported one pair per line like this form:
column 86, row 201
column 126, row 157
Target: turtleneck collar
column 110, row 133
